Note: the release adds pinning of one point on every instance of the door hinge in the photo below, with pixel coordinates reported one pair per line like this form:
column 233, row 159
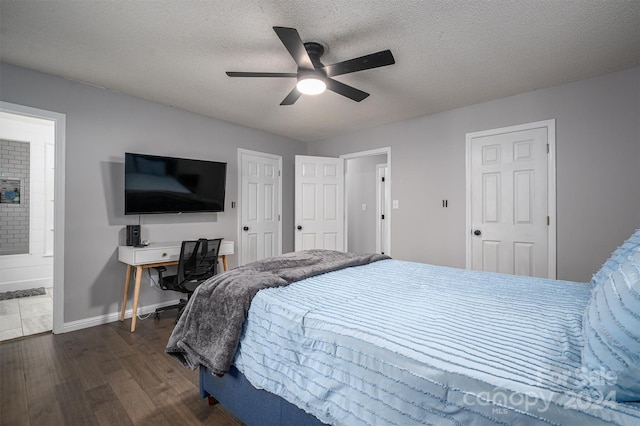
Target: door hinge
column 278, row 218
column 281, row 175
column 383, row 178
column 382, row 216
column 547, row 148
column 548, row 221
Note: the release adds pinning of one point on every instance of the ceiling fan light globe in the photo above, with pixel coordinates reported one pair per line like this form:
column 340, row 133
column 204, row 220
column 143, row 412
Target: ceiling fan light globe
column 311, row 86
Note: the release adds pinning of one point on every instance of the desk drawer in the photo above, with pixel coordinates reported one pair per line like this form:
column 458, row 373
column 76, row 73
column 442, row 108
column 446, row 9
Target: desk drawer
column 156, row 255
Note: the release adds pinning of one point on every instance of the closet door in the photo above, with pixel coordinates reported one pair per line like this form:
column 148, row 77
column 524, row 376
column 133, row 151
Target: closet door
column 319, row 203
column 510, row 211
column 260, row 205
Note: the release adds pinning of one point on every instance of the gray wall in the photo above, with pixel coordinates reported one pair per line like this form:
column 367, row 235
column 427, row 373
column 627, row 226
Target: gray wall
column 101, row 125
column 598, row 173
column 598, row 170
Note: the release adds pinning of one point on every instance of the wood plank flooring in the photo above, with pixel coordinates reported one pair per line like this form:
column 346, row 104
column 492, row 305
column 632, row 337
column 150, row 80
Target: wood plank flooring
column 101, row 375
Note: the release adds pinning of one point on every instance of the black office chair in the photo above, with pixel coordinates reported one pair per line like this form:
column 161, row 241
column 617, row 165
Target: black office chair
column 198, row 262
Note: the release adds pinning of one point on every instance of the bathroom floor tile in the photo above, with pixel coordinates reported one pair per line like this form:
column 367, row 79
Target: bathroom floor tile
column 10, row 306
column 25, row 316
column 23, row 301
column 10, row 334
column 34, row 325
column 9, row 322
column 30, row 310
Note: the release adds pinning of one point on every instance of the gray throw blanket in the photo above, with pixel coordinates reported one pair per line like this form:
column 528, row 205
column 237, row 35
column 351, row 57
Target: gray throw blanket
column 209, row 330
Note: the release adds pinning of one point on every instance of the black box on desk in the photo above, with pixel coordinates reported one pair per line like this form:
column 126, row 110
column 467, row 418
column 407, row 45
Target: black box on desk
column 133, row 235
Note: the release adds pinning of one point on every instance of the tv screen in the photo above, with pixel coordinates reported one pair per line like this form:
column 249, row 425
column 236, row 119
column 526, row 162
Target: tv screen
column 154, row 184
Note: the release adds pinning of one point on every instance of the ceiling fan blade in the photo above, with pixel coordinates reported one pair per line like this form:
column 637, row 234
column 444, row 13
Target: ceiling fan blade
column 345, row 90
column 374, row 60
column 292, row 97
column 261, row 74
column 292, row 41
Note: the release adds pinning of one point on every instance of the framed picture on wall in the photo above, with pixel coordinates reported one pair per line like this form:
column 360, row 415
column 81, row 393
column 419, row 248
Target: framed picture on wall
column 10, row 191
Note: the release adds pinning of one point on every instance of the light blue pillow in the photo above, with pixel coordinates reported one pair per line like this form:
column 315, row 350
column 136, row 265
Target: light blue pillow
column 630, row 245
column 611, row 330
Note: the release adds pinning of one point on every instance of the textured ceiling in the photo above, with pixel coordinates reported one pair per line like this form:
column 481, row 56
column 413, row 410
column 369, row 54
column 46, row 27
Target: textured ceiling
column 448, row 53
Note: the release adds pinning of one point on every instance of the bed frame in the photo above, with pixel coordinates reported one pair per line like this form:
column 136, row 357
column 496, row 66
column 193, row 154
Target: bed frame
column 250, row 405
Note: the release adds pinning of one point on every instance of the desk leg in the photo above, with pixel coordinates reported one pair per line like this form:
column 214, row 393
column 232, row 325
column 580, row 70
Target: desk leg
column 126, row 291
column 224, row 262
column 136, row 293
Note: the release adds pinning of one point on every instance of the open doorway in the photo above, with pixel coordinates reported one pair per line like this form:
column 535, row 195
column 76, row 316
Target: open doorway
column 32, row 185
column 366, row 217
column 345, row 211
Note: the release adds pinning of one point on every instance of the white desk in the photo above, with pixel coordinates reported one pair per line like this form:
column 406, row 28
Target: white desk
column 156, row 254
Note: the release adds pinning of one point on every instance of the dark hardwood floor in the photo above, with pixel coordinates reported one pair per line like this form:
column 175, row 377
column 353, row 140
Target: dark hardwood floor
column 102, row 375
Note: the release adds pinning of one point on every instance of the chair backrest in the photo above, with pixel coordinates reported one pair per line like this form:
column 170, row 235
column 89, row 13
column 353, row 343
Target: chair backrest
column 198, row 260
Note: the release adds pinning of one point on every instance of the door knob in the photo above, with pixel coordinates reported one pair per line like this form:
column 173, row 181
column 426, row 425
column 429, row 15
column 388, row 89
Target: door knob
column 299, row 228
column 246, row 228
column 477, row 232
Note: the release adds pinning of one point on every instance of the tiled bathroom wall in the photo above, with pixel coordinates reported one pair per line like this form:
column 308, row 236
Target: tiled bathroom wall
column 14, row 197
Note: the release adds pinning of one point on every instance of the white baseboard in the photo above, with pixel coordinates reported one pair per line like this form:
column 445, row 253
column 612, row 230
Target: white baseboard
column 112, row 317
column 26, row 284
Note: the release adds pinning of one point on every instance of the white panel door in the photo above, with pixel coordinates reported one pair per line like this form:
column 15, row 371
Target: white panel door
column 260, row 206
column 319, row 204
column 509, row 203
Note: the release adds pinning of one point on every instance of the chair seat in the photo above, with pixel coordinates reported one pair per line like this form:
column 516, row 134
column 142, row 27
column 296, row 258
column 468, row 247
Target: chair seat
column 169, row 283
column 191, row 285
column 198, row 262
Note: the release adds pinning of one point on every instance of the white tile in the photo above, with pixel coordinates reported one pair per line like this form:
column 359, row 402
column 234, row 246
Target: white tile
column 9, row 307
column 45, row 307
column 10, row 334
column 34, row 299
column 35, row 325
column 8, row 322
column 26, row 316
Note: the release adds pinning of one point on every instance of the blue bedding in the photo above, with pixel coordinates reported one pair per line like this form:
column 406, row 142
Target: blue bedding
column 403, row 343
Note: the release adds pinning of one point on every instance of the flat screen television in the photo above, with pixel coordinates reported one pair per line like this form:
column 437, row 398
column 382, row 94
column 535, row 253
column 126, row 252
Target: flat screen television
column 155, row 184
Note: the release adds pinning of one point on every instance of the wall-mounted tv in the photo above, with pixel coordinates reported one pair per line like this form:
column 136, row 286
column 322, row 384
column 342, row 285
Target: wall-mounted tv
column 155, row 184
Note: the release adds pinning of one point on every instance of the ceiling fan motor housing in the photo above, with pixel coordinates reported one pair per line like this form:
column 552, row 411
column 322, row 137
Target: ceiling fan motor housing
column 315, row 51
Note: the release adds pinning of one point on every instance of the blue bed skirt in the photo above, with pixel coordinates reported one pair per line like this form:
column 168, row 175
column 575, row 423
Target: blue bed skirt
column 250, row 405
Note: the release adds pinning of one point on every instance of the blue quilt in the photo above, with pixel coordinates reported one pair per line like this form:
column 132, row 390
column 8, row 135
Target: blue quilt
column 400, row 343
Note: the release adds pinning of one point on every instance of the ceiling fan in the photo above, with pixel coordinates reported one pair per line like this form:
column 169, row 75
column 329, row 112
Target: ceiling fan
column 314, row 77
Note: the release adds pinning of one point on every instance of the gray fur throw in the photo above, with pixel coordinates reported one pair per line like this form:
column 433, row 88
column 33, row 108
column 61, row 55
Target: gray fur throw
column 209, row 330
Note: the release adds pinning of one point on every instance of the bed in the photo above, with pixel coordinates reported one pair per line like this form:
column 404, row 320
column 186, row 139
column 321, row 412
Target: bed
column 385, row 341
